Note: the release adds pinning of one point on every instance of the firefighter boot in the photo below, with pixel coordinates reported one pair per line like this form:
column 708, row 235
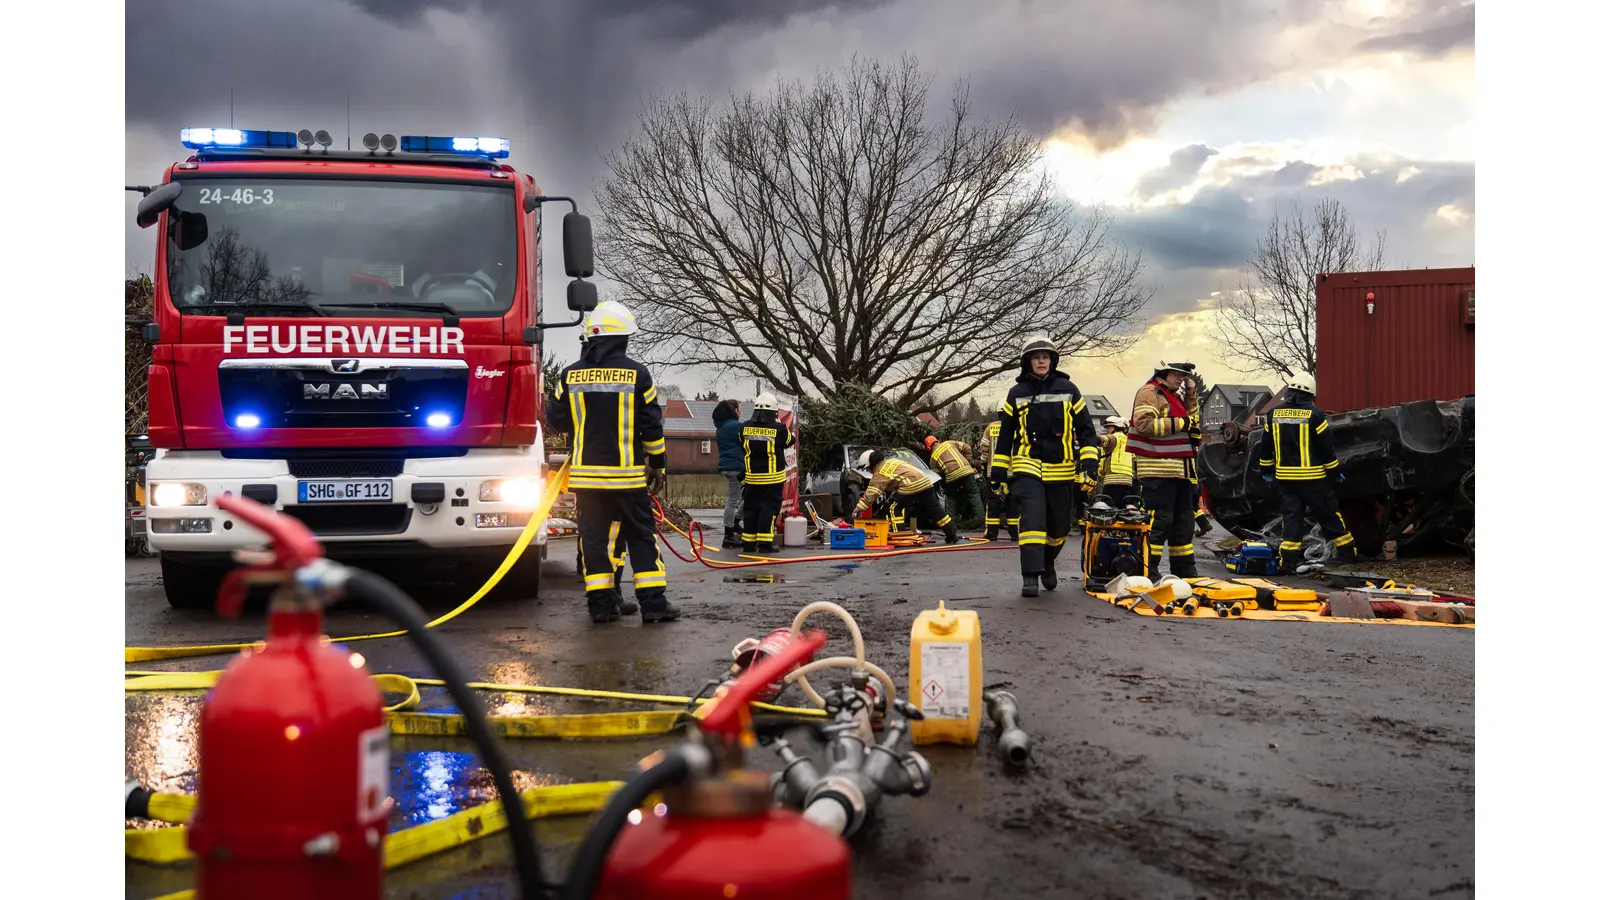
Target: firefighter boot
column 1030, row 585
column 1154, row 563
column 951, row 535
column 731, row 537
column 1347, row 553
column 1184, row 566
column 1048, row 579
column 659, row 609
column 1202, row 524
column 1011, row 532
column 992, row 533
column 604, row 606
column 1290, row 560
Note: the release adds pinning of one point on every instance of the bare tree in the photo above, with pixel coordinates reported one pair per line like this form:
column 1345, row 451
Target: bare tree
column 1270, row 324
column 833, row 233
column 670, row 392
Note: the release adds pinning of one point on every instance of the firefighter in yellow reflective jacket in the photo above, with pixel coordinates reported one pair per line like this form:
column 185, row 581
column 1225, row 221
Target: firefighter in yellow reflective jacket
column 1046, row 441
column 1000, row 508
column 1296, row 452
column 1116, row 463
column 764, row 440
column 960, row 479
column 607, row 403
column 906, row 486
column 1162, row 438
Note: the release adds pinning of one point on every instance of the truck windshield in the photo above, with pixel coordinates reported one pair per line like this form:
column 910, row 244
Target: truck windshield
column 275, row 246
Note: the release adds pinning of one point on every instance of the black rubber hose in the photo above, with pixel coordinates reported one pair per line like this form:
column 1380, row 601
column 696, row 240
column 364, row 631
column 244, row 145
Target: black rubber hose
column 382, row 595
column 583, row 876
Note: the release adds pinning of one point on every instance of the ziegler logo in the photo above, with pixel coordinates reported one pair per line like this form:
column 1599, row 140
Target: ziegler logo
column 489, row 373
column 346, row 392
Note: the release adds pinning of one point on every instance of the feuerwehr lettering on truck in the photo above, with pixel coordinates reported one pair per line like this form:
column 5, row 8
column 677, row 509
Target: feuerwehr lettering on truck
column 341, row 339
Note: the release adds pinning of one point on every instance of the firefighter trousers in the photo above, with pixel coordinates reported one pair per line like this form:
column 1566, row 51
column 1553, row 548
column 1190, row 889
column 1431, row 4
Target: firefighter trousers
column 1001, row 512
column 1304, row 502
column 1171, row 505
column 1118, row 493
column 1046, row 514
column 962, row 499
column 925, row 506
column 611, row 523
column 761, row 505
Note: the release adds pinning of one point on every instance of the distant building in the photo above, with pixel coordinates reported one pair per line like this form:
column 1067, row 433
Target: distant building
column 1231, row 403
column 691, row 436
column 1099, row 409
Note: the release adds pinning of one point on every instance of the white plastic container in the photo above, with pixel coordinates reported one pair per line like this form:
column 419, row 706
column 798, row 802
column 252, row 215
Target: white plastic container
column 794, row 531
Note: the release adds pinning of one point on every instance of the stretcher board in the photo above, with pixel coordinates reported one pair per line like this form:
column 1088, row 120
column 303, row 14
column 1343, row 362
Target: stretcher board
column 1204, row 610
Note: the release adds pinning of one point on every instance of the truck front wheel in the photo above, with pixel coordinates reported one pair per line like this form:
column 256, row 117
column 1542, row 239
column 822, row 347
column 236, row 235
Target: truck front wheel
column 521, row 583
column 190, row 586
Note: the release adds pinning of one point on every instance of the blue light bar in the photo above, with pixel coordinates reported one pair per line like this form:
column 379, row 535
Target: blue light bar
column 211, row 138
column 247, row 420
column 439, row 420
column 489, row 147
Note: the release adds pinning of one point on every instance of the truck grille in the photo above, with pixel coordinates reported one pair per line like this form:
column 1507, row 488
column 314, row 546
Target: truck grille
column 352, row 518
column 346, row 468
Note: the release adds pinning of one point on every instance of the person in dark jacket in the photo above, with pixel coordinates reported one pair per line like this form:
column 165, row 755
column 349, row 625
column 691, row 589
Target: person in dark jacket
column 730, row 463
column 1046, row 440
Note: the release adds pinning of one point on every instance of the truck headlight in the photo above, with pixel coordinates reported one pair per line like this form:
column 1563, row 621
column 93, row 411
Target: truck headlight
column 520, row 493
column 176, row 493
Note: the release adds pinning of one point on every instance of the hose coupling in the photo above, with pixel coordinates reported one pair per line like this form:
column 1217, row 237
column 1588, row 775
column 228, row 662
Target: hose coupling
column 1015, row 746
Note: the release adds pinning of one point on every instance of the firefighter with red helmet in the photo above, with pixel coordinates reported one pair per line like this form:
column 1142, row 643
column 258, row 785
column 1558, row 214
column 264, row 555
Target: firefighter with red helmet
column 1162, row 440
column 1296, row 452
column 1046, row 442
column 608, row 403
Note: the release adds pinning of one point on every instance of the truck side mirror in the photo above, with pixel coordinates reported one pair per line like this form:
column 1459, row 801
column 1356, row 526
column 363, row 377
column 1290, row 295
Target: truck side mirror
column 577, row 245
column 533, row 335
column 582, row 296
column 191, row 227
column 157, row 202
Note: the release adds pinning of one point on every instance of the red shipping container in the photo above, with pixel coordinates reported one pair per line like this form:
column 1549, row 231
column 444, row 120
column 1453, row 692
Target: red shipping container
column 1413, row 342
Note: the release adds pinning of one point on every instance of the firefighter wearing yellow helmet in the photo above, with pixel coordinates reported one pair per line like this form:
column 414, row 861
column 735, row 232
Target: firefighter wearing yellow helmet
column 608, row 404
column 1046, row 442
column 764, row 440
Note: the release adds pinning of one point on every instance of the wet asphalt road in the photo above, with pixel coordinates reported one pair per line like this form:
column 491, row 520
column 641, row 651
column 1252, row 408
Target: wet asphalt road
column 1256, row 759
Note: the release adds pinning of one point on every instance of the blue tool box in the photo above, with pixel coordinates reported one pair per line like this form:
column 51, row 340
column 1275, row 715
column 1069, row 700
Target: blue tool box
column 847, row 539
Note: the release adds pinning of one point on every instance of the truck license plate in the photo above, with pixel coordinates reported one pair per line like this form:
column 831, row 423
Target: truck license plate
column 347, row 491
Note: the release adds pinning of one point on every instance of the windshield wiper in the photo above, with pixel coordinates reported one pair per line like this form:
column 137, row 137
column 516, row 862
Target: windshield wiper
column 425, row 306
column 259, row 309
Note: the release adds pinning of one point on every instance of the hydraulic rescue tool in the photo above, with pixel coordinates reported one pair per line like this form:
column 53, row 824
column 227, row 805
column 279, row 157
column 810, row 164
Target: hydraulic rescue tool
column 293, row 748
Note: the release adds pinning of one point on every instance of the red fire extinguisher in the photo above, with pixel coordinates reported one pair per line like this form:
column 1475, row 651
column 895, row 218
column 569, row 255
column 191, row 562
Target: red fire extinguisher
column 293, row 772
column 716, row 833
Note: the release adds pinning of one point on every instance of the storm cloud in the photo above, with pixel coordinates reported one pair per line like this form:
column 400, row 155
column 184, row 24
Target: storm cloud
column 1201, row 246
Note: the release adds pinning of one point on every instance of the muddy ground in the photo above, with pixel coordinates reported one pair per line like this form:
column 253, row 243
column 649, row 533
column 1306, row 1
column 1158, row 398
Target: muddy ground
column 1247, row 759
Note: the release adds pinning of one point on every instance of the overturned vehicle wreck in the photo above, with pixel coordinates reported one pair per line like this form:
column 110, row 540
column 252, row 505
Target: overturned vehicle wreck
column 1408, row 478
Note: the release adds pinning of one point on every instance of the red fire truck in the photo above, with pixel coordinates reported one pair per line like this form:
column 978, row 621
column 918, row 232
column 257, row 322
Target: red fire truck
column 351, row 337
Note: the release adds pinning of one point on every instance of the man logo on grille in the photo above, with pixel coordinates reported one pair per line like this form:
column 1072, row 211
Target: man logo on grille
column 345, row 365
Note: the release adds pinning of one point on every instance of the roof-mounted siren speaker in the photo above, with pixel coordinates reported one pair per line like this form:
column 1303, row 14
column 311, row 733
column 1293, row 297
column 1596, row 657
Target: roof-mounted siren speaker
column 389, row 142
column 324, row 138
column 305, row 137
column 370, row 141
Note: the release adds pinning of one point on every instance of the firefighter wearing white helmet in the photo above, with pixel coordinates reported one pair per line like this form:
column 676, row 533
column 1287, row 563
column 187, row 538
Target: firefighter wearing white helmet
column 1046, row 445
column 1116, row 463
column 619, row 454
column 1296, row 452
column 1162, row 439
column 903, row 485
column 764, row 440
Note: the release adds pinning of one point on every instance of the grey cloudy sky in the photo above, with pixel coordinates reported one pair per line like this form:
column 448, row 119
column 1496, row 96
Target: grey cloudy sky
column 1189, row 81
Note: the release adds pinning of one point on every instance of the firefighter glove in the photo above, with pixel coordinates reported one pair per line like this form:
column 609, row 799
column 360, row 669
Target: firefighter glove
column 655, row 478
column 1193, row 422
column 1090, row 469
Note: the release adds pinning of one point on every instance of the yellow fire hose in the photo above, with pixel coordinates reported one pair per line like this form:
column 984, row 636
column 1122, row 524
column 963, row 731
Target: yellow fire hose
column 169, row 845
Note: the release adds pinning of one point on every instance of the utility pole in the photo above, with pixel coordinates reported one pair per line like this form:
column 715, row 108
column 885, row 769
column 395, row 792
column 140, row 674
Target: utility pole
column 347, row 121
